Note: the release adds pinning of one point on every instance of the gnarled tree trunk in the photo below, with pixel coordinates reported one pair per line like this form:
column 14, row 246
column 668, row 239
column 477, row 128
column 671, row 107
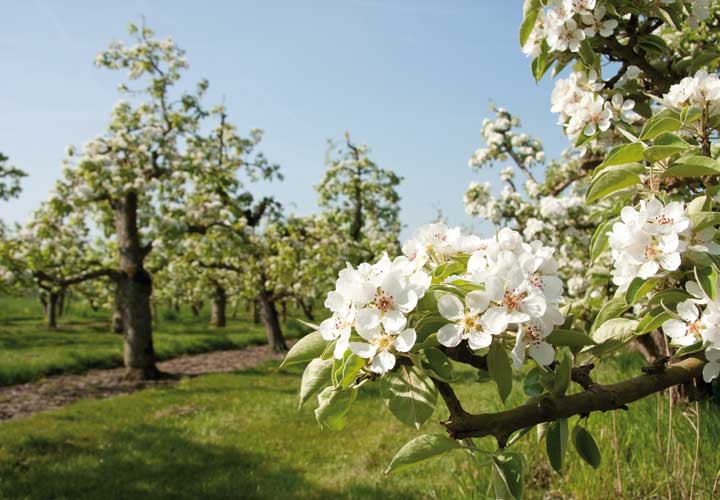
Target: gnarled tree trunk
column 269, row 315
column 135, row 289
column 219, row 303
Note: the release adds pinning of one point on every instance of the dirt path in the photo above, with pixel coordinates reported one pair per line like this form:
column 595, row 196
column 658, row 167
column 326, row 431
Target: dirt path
column 22, row 400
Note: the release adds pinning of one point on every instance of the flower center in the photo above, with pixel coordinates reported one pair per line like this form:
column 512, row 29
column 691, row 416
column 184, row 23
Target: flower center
column 651, row 251
column 661, row 219
column 470, row 322
column 534, row 333
column 513, row 299
column 694, row 328
column 384, row 302
column 383, row 342
column 536, row 282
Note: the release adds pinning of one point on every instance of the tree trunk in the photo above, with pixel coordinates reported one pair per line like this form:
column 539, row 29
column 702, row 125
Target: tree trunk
column 269, row 315
column 117, row 315
column 61, row 303
column 307, row 310
column 256, row 311
column 51, row 310
column 283, row 311
column 135, row 289
column 217, row 316
column 195, row 310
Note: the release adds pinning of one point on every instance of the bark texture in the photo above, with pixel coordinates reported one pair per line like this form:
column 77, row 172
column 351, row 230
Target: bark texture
column 269, row 315
column 134, row 288
column 596, row 397
column 219, row 305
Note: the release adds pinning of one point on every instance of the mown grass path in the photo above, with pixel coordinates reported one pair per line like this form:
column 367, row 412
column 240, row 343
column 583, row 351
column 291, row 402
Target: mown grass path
column 17, row 401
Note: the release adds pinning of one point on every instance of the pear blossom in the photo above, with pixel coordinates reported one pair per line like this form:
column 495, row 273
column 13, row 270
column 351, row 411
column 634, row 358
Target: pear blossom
column 379, row 346
column 565, row 36
column 532, row 338
column 691, row 327
column 466, row 323
column 597, row 24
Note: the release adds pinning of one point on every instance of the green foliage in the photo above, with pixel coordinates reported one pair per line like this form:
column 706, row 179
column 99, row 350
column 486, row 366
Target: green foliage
column 420, row 449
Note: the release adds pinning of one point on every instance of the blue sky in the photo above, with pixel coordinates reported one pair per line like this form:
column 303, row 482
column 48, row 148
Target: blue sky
column 411, row 78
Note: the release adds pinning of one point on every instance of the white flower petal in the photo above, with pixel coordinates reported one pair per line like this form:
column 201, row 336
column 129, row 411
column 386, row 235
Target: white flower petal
column 363, row 350
column 450, row 335
column 406, row 340
column 477, row 301
column 383, row 362
column 542, row 352
column 450, row 307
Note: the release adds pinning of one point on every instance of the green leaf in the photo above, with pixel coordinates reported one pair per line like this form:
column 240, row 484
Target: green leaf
column 562, row 376
column 439, row 364
column 659, row 124
column 528, row 23
column 665, row 145
column 508, row 475
column 334, row 405
column 693, row 166
column 353, row 365
column 669, row 297
column 420, row 449
column 585, row 446
column 690, row 349
column 569, row 338
column 620, row 155
column 613, row 334
column 409, row 395
column 599, row 240
column 653, row 44
column 707, row 279
column 612, row 179
column 531, row 385
column 701, row 220
column 317, row 375
column 652, row 320
column 611, row 309
column 500, row 370
column 556, row 440
column 702, row 203
column 541, row 63
column 308, row 347
column 638, row 289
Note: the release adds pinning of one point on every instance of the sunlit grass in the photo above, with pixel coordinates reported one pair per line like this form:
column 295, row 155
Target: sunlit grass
column 29, row 350
column 242, row 436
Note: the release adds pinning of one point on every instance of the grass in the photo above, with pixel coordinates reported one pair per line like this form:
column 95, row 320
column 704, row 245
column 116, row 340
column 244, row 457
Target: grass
column 29, row 350
column 241, row 435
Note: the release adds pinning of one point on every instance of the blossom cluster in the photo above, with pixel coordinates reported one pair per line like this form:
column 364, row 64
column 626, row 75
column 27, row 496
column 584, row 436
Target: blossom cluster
column 513, row 292
column 702, row 89
column 583, row 111
column 564, row 24
column 501, row 140
column 693, row 325
column 650, row 240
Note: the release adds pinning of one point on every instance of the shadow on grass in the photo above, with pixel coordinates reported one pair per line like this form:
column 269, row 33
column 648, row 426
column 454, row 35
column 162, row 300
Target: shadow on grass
column 148, row 461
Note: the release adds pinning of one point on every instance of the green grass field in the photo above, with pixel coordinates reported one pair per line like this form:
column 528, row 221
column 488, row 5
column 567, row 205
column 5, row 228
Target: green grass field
column 29, row 350
column 242, row 436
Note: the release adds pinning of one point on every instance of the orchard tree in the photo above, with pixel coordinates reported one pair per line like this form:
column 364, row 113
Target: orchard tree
column 499, row 304
column 9, row 179
column 360, row 198
column 139, row 176
column 55, row 251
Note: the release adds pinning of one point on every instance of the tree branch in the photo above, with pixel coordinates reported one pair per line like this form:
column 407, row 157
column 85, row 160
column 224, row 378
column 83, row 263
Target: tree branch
column 596, row 398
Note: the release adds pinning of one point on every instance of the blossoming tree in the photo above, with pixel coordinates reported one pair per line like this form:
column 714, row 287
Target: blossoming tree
column 499, row 304
column 143, row 175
